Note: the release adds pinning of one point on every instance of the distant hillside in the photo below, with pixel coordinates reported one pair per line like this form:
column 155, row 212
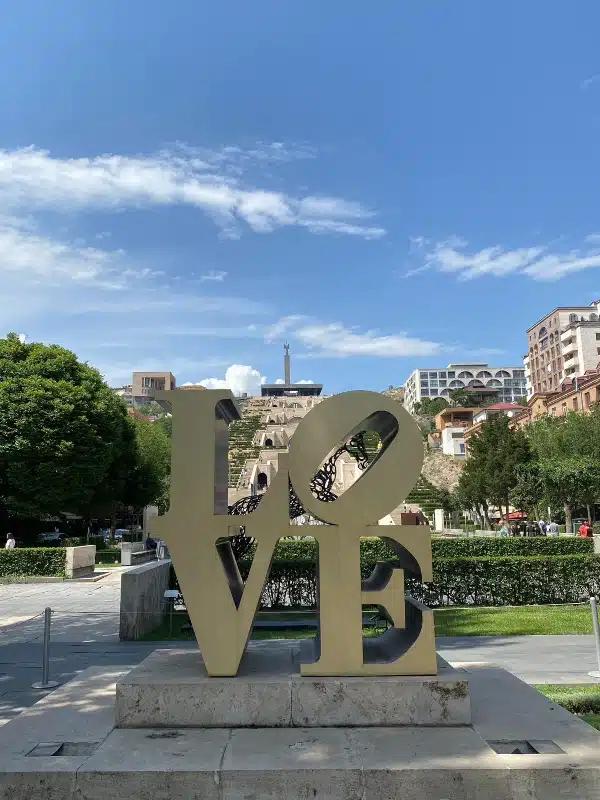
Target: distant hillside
column 396, row 393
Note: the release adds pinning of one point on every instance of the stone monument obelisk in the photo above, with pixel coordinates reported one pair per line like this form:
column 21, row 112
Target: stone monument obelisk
column 287, row 375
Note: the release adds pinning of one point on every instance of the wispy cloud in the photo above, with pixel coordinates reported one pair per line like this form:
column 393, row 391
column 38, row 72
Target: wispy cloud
column 335, row 340
column 541, row 263
column 585, row 84
column 29, row 254
column 277, row 329
column 217, row 275
column 31, row 178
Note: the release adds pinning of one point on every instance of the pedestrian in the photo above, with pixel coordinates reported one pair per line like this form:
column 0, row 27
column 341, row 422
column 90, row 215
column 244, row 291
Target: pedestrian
column 552, row 529
column 542, row 527
column 584, row 529
column 504, row 528
column 10, row 542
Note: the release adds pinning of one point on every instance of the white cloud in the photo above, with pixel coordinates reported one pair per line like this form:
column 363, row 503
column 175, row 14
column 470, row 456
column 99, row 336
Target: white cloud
column 239, row 378
column 303, row 381
column 279, row 380
column 31, row 256
column 273, row 332
column 335, row 340
column 541, row 263
column 32, row 178
column 217, row 275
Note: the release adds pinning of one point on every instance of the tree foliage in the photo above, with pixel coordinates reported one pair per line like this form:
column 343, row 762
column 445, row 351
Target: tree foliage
column 430, row 406
column 461, row 397
column 491, row 473
column 66, row 440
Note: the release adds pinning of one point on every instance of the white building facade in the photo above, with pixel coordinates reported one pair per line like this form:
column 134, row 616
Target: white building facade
column 504, row 384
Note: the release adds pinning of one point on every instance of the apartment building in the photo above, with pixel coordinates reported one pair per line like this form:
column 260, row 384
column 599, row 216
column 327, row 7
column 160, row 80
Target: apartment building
column 143, row 386
column 483, row 382
column 575, row 394
column 563, row 344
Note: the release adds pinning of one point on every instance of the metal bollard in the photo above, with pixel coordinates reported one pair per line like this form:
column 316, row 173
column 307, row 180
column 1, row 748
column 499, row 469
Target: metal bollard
column 46, row 683
column 594, row 606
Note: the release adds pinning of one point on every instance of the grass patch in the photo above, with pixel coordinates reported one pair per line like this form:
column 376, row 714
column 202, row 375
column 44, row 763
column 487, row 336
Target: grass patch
column 474, row 621
column 592, row 719
column 578, row 698
column 513, row 620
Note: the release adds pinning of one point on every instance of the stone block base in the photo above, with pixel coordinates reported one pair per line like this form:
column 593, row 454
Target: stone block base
column 520, row 746
column 171, row 689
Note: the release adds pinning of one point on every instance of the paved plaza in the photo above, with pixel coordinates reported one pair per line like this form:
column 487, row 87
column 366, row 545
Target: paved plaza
column 85, row 634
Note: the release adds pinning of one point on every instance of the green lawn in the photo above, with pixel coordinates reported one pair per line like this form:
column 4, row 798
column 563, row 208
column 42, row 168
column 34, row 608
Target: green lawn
column 582, row 699
column 513, row 620
column 503, row 621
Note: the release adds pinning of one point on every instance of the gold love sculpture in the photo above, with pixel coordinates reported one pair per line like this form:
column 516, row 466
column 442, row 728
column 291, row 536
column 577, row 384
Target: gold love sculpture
column 222, row 607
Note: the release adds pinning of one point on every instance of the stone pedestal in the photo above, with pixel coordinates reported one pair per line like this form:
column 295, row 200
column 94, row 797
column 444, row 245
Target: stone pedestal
column 171, row 689
column 518, row 746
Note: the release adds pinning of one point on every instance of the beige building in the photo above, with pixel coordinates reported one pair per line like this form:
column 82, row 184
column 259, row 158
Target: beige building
column 143, row 386
column 563, row 344
column 577, row 394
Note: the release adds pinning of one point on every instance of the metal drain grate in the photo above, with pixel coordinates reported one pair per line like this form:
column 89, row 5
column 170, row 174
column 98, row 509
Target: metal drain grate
column 47, row 749
column 521, row 747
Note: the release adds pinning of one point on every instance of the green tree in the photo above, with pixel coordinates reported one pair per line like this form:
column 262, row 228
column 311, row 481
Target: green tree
column 461, row 397
column 430, row 406
column 496, row 453
column 147, row 481
column 566, row 449
column 471, row 492
column 63, row 432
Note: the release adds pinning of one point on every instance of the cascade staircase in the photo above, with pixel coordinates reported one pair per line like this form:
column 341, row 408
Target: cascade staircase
column 241, row 447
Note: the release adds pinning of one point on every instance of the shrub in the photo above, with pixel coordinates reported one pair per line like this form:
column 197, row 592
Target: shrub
column 112, row 556
column 33, row 561
column 519, row 581
column 509, row 546
column 73, row 541
column 541, row 570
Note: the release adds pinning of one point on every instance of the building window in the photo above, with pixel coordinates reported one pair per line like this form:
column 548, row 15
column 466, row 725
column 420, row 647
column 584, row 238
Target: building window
column 586, row 400
column 553, row 411
column 443, row 383
column 461, row 449
column 564, row 408
column 465, row 374
column 575, row 404
column 425, row 392
column 572, row 317
column 484, row 374
column 598, row 337
column 442, row 374
column 433, row 374
column 433, row 383
column 502, row 373
column 424, row 383
column 452, row 374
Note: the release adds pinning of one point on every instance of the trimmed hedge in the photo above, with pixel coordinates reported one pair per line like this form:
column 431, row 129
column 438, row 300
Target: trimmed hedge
column 508, row 581
column 489, row 572
column 24, row 562
column 375, row 549
column 509, row 546
column 108, row 556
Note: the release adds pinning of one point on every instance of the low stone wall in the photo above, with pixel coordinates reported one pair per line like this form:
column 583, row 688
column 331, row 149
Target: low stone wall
column 80, row 561
column 143, row 599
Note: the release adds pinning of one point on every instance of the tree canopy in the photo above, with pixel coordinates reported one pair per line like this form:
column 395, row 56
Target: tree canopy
column 66, row 440
column 491, row 473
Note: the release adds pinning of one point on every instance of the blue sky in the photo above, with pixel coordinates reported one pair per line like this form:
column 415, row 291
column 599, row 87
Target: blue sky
column 186, row 185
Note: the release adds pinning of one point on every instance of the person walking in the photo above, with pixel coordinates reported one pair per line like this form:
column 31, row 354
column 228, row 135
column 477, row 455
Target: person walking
column 542, row 527
column 504, row 531
column 552, row 529
column 10, row 542
column 585, row 529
